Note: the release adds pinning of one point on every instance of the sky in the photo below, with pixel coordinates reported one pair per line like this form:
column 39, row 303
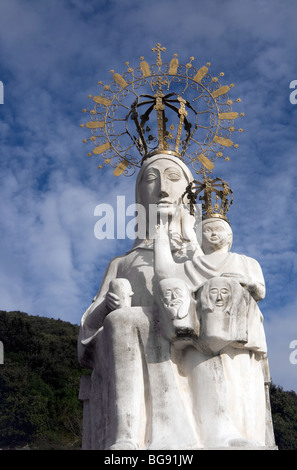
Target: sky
column 52, row 55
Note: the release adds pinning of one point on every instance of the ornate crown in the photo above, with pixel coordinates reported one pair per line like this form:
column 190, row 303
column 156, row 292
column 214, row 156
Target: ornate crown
column 216, row 199
column 162, row 108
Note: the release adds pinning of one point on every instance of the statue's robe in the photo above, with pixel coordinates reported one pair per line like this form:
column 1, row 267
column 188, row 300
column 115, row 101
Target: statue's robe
column 236, row 396
column 206, row 267
column 139, row 368
column 173, row 399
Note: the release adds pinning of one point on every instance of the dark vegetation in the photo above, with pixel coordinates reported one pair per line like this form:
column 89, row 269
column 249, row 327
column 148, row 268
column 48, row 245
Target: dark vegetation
column 284, row 416
column 39, row 383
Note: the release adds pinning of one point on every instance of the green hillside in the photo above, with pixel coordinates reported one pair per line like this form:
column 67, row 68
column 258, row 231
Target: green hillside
column 39, row 383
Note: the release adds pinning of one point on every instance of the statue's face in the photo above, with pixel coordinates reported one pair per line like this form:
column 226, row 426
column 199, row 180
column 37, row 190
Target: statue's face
column 219, row 294
column 215, row 235
column 175, row 297
column 163, row 183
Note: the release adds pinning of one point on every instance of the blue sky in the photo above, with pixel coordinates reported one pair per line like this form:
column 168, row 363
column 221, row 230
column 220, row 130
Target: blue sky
column 52, row 54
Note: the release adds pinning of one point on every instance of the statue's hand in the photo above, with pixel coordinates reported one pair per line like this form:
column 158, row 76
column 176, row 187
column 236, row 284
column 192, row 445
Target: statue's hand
column 257, row 290
column 162, row 230
column 112, row 301
column 239, row 277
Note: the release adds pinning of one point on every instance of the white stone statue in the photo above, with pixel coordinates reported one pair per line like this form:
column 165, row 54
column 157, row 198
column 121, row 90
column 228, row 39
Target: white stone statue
column 135, row 381
column 175, row 337
column 226, row 371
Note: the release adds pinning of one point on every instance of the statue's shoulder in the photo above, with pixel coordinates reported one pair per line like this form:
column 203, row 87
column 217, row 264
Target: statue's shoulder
column 116, row 261
column 247, row 259
column 112, row 269
column 251, row 263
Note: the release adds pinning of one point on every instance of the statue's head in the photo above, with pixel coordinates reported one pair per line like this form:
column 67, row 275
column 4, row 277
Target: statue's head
column 160, row 184
column 216, row 235
column 174, row 297
column 162, row 180
column 219, row 293
column 222, row 307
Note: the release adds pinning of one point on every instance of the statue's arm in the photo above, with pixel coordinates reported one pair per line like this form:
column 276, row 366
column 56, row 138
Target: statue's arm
column 253, row 281
column 164, row 264
column 94, row 316
column 257, row 290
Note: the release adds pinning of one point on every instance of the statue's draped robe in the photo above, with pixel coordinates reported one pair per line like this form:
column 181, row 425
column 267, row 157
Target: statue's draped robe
column 165, row 386
column 242, row 394
column 166, row 420
column 203, row 268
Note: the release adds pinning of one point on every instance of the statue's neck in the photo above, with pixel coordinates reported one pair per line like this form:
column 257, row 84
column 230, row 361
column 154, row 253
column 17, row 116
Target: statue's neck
column 213, row 253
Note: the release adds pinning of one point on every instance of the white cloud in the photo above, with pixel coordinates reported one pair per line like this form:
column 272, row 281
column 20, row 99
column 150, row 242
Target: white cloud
column 281, row 330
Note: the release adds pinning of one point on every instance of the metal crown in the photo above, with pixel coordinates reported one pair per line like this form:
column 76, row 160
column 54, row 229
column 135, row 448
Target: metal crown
column 216, row 197
column 168, row 108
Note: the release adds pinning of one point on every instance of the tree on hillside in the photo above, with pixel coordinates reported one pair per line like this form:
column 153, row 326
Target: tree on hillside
column 39, row 382
column 284, row 415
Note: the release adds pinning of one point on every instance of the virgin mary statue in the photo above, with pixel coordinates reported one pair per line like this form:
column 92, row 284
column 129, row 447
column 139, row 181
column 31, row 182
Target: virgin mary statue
column 137, row 396
column 174, row 337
